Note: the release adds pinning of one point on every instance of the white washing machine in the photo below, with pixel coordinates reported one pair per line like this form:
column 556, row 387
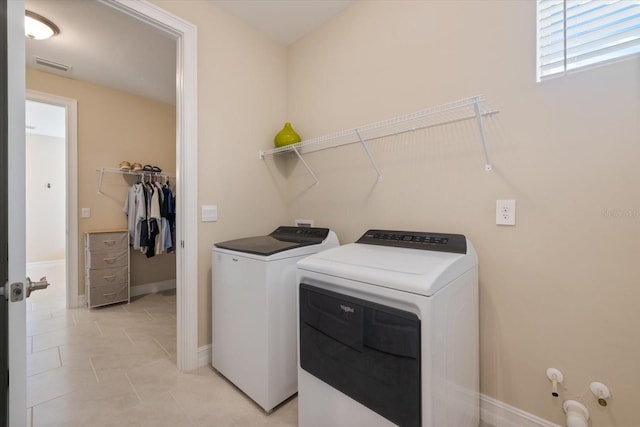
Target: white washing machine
column 254, row 310
column 388, row 332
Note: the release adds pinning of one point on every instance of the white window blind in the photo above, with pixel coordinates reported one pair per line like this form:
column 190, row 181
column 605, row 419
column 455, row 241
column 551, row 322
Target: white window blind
column 578, row 33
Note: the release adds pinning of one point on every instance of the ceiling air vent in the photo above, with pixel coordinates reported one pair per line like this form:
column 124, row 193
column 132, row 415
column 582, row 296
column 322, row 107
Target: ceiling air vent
column 43, row 62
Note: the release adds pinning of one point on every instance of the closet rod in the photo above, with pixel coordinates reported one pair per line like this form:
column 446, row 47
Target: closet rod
column 129, row 172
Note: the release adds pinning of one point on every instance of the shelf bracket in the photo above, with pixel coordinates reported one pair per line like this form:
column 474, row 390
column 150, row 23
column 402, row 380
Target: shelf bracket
column 100, row 181
column 366, row 149
column 313, row 175
column 483, row 138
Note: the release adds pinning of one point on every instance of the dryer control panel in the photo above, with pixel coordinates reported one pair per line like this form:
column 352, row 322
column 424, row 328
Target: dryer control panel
column 441, row 242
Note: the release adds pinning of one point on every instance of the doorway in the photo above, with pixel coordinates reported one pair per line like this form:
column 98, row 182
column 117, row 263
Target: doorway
column 46, row 195
column 60, row 258
column 185, row 34
column 189, row 356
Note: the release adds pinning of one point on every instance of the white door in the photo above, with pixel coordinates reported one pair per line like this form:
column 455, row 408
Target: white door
column 4, row 222
column 14, row 208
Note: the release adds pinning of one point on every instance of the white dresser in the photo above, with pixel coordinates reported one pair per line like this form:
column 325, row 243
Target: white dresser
column 106, row 267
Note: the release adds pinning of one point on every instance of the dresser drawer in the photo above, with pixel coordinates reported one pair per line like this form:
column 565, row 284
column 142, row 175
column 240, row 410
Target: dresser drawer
column 108, row 276
column 108, row 242
column 108, row 294
column 106, row 267
column 108, row 259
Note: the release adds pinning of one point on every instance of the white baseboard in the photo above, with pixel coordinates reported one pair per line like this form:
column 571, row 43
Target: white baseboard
column 495, row 413
column 153, row 287
column 42, row 264
column 204, row 356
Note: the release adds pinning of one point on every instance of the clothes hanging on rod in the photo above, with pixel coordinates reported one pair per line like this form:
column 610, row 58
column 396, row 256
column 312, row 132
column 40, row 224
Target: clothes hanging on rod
column 168, row 214
column 150, row 210
column 135, row 207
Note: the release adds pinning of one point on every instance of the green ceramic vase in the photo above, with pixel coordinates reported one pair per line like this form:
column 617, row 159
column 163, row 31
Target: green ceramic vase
column 286, row 136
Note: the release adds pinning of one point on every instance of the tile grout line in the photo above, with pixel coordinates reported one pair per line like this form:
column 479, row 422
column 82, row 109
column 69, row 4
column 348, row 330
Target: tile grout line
column 133, row 387
column 150, row 315
column 127, row 335
column 60, row 356
column 162, row 347
column 181, row 408
column 95, row 322
column 93, row 368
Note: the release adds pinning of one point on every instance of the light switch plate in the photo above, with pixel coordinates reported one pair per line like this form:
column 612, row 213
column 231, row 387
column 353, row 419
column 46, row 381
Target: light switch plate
column 209, row 213
column 86, row 213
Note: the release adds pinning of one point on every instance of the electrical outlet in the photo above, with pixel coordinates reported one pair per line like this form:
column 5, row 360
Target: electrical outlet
column 505, row 212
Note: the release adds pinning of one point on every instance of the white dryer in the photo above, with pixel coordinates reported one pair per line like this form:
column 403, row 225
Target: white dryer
column 254, row 309
column 388, row 332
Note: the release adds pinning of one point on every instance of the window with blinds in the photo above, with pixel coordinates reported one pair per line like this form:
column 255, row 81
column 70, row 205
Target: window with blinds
column 578, row 33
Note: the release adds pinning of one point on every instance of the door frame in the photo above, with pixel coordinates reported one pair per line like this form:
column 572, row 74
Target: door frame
column 185, row 35
column 71, row 203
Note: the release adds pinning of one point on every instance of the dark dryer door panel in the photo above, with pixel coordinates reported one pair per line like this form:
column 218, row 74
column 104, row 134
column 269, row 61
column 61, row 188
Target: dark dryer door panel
column 368, row 351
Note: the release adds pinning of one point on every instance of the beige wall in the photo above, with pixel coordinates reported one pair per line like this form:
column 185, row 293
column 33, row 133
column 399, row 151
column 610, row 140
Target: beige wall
column 560, row 289
column 45, row 210
column 114, row 126
column 241, row 106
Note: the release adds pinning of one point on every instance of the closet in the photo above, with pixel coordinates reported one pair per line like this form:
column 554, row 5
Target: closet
column 129, row 195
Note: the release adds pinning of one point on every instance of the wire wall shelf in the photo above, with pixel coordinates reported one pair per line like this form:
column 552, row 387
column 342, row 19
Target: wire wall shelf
column 465, row 109
column 142, row 173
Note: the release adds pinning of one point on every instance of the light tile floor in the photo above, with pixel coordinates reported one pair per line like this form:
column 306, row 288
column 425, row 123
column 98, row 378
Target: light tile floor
column 115, row 366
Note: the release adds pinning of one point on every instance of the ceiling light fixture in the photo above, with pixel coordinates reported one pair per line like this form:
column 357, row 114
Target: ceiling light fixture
column 38, row 27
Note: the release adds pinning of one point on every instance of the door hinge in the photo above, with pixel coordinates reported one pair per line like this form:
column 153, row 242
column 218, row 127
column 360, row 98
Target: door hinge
column 182, row 244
